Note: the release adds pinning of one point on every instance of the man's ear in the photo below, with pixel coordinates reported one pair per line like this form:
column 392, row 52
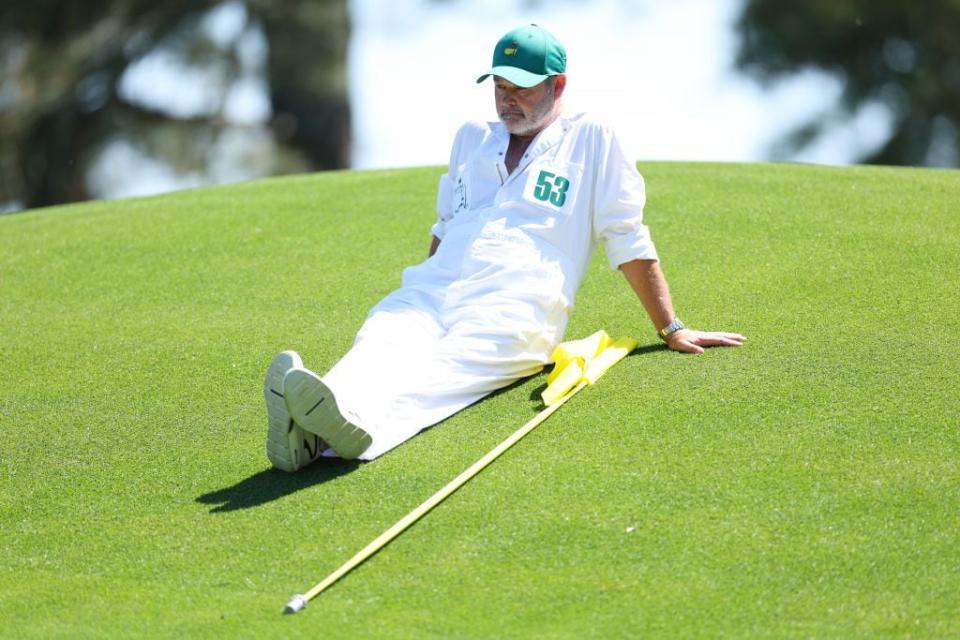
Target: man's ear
column 559, row 84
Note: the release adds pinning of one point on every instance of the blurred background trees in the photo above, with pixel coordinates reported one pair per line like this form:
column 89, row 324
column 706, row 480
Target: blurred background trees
column 901, row 55
column 193, row 92
column 77, row 98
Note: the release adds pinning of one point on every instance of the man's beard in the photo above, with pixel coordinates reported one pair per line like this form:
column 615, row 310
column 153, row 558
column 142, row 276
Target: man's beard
column 542, row 112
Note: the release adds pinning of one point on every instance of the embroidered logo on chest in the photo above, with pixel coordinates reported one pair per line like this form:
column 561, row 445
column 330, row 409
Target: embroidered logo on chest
column 460, row 195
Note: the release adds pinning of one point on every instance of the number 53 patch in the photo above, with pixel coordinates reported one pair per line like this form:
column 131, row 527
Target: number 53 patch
column 552, row 187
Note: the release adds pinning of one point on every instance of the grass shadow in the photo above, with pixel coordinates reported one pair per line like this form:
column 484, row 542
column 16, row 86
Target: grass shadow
column 272, row 484
column 648, row 348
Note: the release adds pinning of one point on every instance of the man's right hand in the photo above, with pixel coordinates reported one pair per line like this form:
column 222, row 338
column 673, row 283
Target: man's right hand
column 693, row 341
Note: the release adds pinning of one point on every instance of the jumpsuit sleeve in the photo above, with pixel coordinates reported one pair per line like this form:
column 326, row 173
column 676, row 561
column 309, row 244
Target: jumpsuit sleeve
column 619, row 198
column 445, row 188
column 444, row 206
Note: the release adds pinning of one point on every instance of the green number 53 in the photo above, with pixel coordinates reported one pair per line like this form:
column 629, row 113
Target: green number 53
column 551, row 188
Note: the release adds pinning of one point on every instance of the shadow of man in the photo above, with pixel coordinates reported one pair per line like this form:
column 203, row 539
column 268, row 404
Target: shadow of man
column 271, row 484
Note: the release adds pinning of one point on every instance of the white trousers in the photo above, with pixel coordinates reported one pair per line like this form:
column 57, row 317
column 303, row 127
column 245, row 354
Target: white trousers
column 414, row 364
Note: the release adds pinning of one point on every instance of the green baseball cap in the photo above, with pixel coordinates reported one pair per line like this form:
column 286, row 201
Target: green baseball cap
column 527, row 56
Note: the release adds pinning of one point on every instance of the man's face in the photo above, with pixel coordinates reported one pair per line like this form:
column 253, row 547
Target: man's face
column 524, row 111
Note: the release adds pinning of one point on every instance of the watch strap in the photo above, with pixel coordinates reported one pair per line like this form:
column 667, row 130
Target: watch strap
column 670, row 329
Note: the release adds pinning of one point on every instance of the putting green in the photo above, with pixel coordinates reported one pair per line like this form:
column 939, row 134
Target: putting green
column 806, row 485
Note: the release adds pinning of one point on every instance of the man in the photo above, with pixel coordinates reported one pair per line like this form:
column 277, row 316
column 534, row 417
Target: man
column 522, row 204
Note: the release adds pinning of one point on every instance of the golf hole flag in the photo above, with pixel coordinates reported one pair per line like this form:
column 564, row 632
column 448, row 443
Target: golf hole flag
column 583, row 360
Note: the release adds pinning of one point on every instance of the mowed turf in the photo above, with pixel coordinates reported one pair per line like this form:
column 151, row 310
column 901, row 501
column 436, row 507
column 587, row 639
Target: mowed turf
column 806, row 485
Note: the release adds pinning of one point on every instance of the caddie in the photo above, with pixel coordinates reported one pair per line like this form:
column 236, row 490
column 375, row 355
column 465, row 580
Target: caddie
column 522, row 204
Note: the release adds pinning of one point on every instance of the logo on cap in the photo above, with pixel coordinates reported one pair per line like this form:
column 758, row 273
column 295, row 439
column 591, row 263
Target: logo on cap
column 527, row 56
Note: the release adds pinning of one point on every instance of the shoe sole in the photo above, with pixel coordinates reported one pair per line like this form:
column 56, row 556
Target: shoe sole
column 286, row 442
column 312, row 405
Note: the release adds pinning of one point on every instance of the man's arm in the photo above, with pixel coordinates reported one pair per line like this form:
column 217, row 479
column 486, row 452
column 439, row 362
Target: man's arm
column 648, row 282
column 434, row 243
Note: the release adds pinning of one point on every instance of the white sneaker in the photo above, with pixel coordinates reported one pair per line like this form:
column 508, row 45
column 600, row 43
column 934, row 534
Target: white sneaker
column 313, row 407
column 288, row 446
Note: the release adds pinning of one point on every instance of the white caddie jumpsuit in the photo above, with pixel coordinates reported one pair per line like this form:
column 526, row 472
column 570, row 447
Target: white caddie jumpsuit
column 489, row 306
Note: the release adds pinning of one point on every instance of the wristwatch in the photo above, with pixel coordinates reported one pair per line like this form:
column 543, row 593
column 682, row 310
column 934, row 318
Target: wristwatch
column 671, row 329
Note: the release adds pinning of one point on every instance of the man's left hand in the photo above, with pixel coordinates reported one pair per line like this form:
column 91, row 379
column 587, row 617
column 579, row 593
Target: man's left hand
column 693, row 341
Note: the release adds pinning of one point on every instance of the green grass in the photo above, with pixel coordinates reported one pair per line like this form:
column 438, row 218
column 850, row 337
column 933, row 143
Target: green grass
column 806, row 485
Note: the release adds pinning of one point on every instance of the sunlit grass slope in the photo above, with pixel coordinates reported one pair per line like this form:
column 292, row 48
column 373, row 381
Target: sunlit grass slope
column 806, row 485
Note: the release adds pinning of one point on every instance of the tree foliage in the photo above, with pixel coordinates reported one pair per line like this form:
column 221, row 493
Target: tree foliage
column 902, row 54
column 61, row 65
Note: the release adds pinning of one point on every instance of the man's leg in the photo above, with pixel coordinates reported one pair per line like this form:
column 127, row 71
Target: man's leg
column 406, row 371
column 426, row 371
column 359, row 389
column 392, row 342
column 468, row 363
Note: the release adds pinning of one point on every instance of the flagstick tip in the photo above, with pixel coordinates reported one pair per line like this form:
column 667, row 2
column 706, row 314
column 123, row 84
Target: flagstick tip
column 297, row 603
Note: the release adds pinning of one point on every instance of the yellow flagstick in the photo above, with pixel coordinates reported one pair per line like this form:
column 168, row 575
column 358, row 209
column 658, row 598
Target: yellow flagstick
column 617, row 352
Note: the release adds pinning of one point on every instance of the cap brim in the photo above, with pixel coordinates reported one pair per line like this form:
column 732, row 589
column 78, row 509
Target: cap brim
column 519, row 77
